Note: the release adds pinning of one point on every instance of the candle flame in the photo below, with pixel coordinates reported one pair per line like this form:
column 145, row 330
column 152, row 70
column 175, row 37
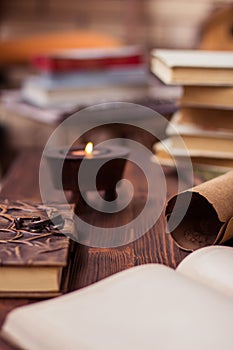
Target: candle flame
column 89, row 148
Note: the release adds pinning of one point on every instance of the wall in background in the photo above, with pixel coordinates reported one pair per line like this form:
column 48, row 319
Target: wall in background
column 161, row 23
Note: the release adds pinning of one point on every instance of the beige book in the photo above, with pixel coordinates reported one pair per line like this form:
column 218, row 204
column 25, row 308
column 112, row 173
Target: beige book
column 146, row 307
column 193, row 67
column 191, row 120
column 207, row 145
column 212, row 96
column 218, row 146
column 166, row 154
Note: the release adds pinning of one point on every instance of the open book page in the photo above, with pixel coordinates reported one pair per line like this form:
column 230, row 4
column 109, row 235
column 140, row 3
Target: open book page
column 212, row 266
column 146, row 307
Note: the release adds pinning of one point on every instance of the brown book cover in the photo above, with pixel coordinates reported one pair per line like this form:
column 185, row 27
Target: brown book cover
column 208, row 96
column 34, row 254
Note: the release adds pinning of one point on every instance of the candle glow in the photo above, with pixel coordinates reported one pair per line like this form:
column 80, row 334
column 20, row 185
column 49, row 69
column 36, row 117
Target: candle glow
column 89, row 149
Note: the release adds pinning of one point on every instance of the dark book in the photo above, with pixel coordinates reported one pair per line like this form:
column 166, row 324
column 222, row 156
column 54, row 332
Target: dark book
column 34, row 254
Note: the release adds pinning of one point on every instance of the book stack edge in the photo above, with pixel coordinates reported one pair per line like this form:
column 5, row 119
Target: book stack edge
column 204, row 119
column 71, row 78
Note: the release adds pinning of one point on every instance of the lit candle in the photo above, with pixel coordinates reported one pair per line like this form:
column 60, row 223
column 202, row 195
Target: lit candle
column 109, row 160
column 88, row 151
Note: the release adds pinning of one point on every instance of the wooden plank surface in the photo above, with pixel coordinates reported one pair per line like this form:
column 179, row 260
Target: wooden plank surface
column 92, row 264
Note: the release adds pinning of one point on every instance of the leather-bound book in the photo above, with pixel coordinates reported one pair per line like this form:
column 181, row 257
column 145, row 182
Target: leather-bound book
column 34, row 254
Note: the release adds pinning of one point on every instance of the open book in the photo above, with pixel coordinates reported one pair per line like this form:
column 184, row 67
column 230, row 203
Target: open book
column 146, row 307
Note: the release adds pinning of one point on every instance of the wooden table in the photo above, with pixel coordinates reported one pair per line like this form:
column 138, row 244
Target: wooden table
column 93, row 264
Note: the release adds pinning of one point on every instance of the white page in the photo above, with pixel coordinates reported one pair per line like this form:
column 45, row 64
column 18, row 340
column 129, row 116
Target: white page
column 147, row 307
column 212, row 266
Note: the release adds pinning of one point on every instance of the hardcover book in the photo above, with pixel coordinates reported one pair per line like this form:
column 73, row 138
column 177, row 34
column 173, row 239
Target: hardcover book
column 202, row 121
column 70, row 89
column 206, row 134
column 208, row 145
column 193, row 67
column 34, row 254
column 165, row 153
column 204, row 146
column 89, row 59
column 209, row 96
column 146, row 307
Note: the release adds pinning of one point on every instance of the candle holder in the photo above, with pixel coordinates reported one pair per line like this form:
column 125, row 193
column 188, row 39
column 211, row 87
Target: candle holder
column 110, row 161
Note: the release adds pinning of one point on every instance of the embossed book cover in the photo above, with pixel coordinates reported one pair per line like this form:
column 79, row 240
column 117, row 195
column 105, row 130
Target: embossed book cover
column 34, row 254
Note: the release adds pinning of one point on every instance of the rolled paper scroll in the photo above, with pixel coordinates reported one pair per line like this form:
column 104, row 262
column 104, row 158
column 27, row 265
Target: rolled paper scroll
column 209, row 216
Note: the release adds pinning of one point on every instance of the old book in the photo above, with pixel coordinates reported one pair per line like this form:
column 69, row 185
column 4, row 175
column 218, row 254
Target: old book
column 33, row 261
column 212, row 96
column 71, row 97
column 201, row 121
column 89, row 59
column 70, row 89
column 150, row 306
column 216, row 145
column 166, row 154
column 193, row 67
column 207, row 214
column 204, row 132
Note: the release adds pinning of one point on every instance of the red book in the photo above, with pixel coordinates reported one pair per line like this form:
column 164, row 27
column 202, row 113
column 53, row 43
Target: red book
column 92, row 59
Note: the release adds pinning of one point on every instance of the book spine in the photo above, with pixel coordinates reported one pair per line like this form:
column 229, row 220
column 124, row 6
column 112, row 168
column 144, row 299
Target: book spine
column 55, row 65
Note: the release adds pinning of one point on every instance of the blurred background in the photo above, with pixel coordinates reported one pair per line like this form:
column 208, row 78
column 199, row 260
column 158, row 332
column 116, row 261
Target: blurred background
column 29, row 28
column 161, row 23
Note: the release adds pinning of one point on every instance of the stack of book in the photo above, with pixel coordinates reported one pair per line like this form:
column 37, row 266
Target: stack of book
column 204, row 119
column 70, row 78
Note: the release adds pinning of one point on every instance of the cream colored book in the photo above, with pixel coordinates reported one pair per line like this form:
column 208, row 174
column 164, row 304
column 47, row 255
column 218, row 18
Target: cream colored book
column 166, row 154
column 146, row 307
column 188, row 146
column 216, row 145
column 206, row 140
column 193, row 67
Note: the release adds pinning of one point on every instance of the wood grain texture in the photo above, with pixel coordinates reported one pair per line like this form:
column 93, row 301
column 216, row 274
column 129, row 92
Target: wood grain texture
column 93, row 264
